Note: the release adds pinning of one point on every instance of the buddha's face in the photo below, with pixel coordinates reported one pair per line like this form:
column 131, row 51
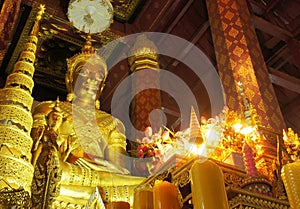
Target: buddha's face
column 89, row 83
column 54, row 120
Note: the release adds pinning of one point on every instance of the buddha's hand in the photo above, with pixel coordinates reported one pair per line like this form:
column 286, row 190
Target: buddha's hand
column 111, row 167
column 72, row 144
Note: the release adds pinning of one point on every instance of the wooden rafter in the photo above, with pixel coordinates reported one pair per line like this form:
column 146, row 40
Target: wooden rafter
column 271, row 29
column 200, row 32
column 284, row 80
column 271, row 6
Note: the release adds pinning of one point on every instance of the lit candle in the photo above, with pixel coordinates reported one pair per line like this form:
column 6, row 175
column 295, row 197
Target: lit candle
column 165, row 196
column 208, row 188
column 118, row 205
column 143, row 199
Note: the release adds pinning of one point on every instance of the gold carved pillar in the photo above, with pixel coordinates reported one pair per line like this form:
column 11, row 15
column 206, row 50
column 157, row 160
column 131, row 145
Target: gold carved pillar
column 145, row 84
column 16, row 170
column 239, row 58
column 8, row 16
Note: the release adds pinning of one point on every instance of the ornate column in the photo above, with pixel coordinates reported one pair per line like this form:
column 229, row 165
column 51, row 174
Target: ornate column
column 239, row 58
column 16, row 171
column 145, row 84
column 8, row 16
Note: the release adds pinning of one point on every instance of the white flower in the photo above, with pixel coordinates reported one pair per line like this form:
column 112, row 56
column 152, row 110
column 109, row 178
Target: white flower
column 148, row 132
column 147, row 140
column 165, row 135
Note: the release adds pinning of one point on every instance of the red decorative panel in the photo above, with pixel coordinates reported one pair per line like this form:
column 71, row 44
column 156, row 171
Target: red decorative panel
column 240, row 58
column 145, row 100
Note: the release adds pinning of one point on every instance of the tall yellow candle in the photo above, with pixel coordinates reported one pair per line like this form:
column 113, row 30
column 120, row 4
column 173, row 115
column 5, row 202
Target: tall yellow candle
column 291, row 178
column 118, row 205
column 208, row 188
column 143, row 199
column 165, row 196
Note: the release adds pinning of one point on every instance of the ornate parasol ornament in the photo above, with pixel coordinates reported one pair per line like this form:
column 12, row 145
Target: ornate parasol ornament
column 90, row 16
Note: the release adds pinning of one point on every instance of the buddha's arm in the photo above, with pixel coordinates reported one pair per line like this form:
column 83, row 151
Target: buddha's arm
column 79, row 176
column 115, row 151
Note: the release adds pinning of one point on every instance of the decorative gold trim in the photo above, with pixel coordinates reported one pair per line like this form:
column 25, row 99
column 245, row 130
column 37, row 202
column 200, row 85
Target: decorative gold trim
column 125, row 11
column 16, row 120
column 245, row 198
column 143, row 55
column 17, row 172
column 17, row 96
column 16, row 116
column 14, row 138
column 24, row 81
column 12, row 197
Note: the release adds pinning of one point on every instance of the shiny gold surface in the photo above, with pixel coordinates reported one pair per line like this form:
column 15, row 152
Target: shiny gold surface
column 67, row 173
column 243, row 199
column 82, row 159
column 10, row 198
column 16, row 170
column 126, row 10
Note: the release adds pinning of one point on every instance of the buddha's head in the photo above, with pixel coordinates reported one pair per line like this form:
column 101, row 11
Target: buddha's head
column 86, row 75
column 55, row 117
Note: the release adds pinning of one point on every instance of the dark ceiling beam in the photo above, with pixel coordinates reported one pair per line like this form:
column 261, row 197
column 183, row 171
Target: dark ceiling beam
column 170, row 16
column 276, row 55
column 271, row 6
column 294, row 47
column 291, row 107
column 200, row 32
column 179, row 16
column 256, row 7
column 282, row 34
column 284, row 80
column 271, row 29
column 272, row 42
column 296, row 32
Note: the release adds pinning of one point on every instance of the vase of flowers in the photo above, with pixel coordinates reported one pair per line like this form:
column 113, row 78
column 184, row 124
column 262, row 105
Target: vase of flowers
column 156, row 148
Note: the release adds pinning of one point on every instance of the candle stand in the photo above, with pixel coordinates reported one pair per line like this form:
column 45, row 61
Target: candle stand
column 237, row 186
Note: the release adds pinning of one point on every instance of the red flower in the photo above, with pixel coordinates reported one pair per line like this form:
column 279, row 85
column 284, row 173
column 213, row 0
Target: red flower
column 140, row 153
column 150, row 153
column 142, row 147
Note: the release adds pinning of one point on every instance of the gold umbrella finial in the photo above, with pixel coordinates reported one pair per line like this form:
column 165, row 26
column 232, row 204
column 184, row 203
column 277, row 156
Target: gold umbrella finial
column 40, row 13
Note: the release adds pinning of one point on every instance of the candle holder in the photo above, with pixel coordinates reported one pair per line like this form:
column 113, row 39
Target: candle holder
column 118, row 205
column 143, row 197
column 165, row 196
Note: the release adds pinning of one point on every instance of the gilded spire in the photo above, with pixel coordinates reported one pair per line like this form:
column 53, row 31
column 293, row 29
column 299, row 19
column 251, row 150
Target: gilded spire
column 143, row 55
column 87, row 47
column 195, row 131
column 39, row 15
column 16, row 119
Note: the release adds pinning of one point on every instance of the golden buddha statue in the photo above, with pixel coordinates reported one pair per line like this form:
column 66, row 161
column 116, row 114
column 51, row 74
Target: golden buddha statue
column 90, row 143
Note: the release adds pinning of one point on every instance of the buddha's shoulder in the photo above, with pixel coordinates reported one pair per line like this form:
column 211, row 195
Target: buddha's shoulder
column 43, row 108
column 68, row 109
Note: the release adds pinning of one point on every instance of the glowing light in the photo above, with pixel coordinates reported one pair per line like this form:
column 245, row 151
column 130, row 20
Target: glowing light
column 247, row 130
column 198, row 149
column 237, row 127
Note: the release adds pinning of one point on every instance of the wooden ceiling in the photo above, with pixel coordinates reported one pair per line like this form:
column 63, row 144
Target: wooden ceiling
column 277, row 24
